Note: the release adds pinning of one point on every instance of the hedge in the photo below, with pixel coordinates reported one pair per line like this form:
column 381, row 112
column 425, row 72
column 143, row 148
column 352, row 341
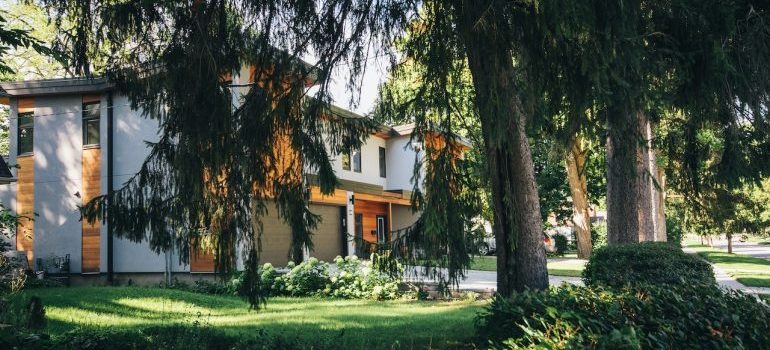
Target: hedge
column 641, row 317
column 655, row 263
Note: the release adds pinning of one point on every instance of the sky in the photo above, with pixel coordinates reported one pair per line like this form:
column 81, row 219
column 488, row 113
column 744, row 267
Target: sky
column 376, row 73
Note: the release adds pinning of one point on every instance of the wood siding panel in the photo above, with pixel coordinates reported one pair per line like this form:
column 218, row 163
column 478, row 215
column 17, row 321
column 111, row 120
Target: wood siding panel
column 339, row 197
column 91, row 189
column 201, row 260
column 370, row 210
column 25, row 206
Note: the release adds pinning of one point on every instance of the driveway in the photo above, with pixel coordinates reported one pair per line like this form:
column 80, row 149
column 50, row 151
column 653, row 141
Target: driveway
column 485, row 280
column 748, row 248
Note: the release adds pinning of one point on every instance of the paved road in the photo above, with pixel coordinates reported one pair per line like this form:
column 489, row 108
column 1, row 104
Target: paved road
column 748, row 248
column 487, row 280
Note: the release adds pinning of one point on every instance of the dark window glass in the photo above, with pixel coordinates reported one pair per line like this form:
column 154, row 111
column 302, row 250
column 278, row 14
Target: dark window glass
column 91, row 123
column 356, row 158
column 382, row 162
column 26, row 132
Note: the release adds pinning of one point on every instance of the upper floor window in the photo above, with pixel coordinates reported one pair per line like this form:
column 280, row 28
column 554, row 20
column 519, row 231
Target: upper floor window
column 355, row 157
column 91, row 123
column 25, row 132
column 383, row 169
column 352, row 159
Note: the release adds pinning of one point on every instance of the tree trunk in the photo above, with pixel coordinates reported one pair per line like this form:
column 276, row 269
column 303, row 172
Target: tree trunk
column 518, row 228
column 729, row 242
column 578, row 187
column 660, row 205
column 630, row 216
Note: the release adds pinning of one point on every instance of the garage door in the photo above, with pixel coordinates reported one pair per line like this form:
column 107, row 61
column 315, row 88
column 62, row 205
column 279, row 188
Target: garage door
column 327, row 237
column 276, row 237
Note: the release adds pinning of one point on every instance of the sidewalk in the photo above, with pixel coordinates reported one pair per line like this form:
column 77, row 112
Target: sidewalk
column 725, row 280
column 486, row 281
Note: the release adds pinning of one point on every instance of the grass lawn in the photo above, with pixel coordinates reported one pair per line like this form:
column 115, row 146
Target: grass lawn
column 348, row 324
column 748, row 270
column 556, row 267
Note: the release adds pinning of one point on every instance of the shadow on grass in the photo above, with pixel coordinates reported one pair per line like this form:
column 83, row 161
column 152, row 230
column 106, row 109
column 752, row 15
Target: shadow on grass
column 345, row 323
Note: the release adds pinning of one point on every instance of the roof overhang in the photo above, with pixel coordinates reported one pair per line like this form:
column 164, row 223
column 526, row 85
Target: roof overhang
column 53, row 87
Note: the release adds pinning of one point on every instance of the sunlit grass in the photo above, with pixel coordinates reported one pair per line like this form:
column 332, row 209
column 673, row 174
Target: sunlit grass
column 556, row 267
column 752, row 279
column 356, row 323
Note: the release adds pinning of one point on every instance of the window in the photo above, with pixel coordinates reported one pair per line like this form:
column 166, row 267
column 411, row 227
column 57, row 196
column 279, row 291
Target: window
column 353, row 157
column 382, row 162
column 356, row 159
column 25, row 132
column 91, row 123
column 346, row 161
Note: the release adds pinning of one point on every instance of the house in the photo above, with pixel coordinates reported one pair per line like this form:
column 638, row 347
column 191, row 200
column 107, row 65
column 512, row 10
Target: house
column 73, row 139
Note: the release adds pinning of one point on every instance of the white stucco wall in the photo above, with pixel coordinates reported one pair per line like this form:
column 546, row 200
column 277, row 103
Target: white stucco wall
column 58, row 149
column 370, row 164
column 401, row 156
column 131, row 131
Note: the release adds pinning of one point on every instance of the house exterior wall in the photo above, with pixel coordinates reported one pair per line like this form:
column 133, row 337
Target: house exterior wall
column 400, row 156
column 59, row 172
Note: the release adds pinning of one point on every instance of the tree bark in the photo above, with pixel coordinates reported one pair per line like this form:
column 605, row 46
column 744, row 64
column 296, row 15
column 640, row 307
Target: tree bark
column 518, row 228
column 578, row 187
column 630, row 215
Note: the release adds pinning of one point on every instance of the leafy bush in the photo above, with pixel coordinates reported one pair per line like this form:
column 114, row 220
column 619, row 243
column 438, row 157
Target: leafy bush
column 561, row 244
column 347, row 277
column 572, row 317
column 655, row 263
column 179, row 337
column 599, row 234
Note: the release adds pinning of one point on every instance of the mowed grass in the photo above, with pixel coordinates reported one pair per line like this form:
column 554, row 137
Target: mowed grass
column 350, row 324
column 571, row 267
column 748, row 270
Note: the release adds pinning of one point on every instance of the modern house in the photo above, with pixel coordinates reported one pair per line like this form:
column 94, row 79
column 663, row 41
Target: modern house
column 72, row 139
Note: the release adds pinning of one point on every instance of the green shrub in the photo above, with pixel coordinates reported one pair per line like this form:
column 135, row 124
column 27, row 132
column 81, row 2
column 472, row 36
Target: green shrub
column 179, row 337
column 651, row 317
column 599, row 235
column 645, row 263
column 306, row 279
column 561, row 244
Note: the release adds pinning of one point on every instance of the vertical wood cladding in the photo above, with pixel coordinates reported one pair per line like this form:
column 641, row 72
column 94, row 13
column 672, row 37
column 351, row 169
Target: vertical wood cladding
column 201, row 260
column 25, row 206
column 25, row 194
column 91, row 189
column 370, row 211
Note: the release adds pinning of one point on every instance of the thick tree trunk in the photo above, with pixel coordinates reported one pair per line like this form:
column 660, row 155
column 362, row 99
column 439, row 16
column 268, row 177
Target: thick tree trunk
column 578, row 187
column 729, row 243
column 518, row 228
column 630, row 215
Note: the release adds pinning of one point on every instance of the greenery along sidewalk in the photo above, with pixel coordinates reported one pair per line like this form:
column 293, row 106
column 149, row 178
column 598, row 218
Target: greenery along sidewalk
column 317, row 323
column 568, row 266
column 748, row 270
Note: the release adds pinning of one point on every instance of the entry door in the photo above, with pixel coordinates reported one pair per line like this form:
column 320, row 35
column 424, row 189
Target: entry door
column 382, row 229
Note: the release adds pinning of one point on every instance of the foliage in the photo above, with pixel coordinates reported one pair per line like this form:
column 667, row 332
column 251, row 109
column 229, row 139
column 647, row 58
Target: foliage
column 599, row 234
column 561, row 244
column 650, row 317
column 168, row 337
column 347, row 277
column 675, row 215
column 648, row 263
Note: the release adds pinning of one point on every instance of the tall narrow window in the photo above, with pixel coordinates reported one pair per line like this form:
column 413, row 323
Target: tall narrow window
column 25, row 132
column 91, row 123
column 346, row 161
column 355, row 156
column 383, row 169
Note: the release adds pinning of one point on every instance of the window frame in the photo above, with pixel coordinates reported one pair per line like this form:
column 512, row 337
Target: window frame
column 383, row 162
column 356, row 154
column 86, row 118
column 25, row 126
